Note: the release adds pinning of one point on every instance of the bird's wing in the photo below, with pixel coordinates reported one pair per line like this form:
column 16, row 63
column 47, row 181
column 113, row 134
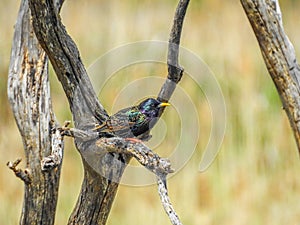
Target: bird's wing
column 119, row 119
column 128, row 122
column 121, row 122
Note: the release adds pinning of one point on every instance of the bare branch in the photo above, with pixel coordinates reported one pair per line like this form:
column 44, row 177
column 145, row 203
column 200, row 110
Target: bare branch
column 175, row 71
column 279, row 56
column 86, row 109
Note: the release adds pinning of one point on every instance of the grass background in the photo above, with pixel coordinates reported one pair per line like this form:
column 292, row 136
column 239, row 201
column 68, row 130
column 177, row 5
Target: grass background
column 254, row 179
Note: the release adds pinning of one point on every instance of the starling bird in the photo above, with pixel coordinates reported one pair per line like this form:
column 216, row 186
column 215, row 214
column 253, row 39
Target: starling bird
column 133, row 122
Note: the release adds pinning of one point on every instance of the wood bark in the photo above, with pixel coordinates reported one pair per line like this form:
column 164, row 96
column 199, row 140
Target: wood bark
column 29, row 96
column 278, row 54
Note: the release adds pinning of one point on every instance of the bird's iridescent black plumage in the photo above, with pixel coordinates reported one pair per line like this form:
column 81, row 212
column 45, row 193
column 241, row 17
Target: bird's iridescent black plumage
column 132, row 122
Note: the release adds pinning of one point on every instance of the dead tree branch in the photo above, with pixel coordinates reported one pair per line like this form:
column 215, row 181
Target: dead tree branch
column 278, row 54
column 98, row 187
column 166, row 202
column 175, row 71
column 146, row 157
column 139, row 151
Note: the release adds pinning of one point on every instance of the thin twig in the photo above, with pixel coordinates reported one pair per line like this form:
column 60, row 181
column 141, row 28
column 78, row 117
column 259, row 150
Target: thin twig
column 166, row 202
column 23, row 175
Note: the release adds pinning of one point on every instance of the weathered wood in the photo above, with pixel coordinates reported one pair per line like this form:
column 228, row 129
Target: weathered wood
column 24, row 175
column 29, row 96
column 278, row 54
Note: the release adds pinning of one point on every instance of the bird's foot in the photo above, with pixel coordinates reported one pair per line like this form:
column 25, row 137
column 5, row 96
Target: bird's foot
column 135, row 140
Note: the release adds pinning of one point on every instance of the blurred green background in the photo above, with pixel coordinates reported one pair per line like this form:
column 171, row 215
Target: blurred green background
column 254, row 178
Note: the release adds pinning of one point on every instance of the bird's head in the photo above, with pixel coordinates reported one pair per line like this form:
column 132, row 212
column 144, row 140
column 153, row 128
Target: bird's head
column 151, row 106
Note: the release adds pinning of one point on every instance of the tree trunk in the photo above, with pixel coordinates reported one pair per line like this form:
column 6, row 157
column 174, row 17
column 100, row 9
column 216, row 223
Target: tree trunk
column 29, row 96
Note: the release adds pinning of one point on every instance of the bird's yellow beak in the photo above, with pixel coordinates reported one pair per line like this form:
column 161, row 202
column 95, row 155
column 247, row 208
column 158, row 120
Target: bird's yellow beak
column 163, row 104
